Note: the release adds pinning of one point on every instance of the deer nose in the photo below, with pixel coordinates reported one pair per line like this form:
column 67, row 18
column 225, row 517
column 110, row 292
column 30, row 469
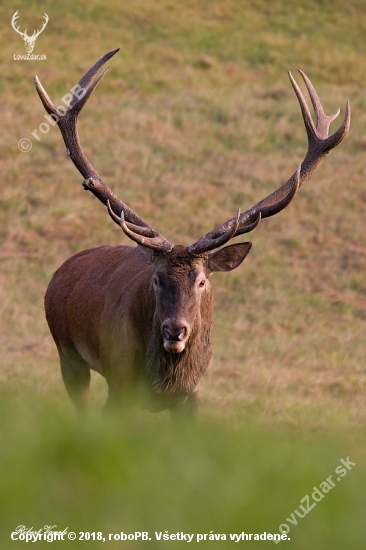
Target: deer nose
column 175, row 333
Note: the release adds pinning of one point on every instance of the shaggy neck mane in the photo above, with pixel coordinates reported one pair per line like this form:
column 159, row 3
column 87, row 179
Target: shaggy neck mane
column 180, row 373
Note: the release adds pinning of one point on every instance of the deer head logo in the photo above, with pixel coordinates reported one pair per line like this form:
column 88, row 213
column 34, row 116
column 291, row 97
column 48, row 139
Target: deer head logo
column 29, row 41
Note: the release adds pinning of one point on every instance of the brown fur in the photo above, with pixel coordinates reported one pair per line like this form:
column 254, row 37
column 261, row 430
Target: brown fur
column 102, row 312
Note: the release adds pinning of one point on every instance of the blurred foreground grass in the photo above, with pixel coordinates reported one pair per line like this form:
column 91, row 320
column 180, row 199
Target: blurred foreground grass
column 140, row 472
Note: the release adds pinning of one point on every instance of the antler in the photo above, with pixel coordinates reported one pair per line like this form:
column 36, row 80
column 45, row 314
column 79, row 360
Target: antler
column 131, row 223
column 13, row 21
column 319, row 144
column 37, row 33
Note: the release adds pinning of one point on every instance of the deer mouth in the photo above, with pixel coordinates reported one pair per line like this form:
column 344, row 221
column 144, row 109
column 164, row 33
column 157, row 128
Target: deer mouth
column 175, row 340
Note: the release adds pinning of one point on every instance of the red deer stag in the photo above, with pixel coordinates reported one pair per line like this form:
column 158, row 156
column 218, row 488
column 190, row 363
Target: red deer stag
column 142, row 316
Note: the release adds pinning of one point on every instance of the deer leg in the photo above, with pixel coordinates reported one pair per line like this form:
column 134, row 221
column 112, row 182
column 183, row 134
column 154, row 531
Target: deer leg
column 121, row 394
column 115, row 396
column 76, row 376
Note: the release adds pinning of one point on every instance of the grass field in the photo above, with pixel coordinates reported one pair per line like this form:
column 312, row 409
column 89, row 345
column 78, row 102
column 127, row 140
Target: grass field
column 195, row 118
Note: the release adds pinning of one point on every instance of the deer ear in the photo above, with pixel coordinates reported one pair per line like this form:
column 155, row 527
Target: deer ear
column 228, row 258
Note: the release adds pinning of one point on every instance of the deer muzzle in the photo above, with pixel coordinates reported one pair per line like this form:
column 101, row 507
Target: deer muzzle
column 175, row 336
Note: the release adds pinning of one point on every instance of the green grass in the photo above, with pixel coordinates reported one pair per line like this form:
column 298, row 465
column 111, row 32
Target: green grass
column 195, row 118
column 141, row 473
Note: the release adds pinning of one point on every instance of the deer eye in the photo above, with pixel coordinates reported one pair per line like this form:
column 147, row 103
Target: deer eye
column 202, row 283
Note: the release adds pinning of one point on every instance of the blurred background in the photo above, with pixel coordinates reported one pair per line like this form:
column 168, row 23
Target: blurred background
column 195, row 118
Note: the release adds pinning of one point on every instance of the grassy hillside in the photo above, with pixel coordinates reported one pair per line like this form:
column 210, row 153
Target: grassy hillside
column 197, row 115
column 195, row 118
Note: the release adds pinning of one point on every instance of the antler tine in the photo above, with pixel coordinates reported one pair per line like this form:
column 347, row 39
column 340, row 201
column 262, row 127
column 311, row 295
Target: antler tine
column 141, row 234
column 319, row 144
column 214, row 239
column 67, row 123
column 67, row 120
column 318, row 135
column 322, row 120
column 249, row 220
column 88, row 82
